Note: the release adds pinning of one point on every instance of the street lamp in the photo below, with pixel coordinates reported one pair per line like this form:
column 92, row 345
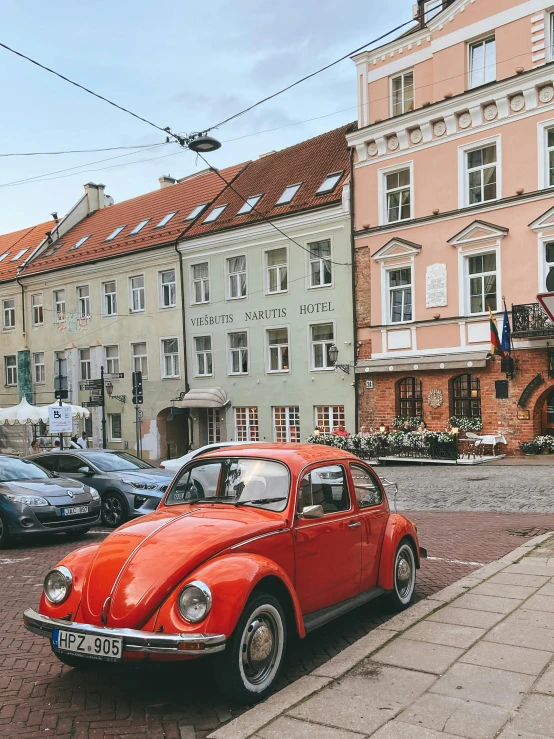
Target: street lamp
column 109, row 388
column 316, row 432
column 203, row 143
column 333, row 354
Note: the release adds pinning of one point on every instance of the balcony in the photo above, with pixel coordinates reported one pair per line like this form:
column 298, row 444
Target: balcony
column 530, row 321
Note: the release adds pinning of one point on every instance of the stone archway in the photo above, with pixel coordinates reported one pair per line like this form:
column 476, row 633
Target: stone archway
column 543, row 418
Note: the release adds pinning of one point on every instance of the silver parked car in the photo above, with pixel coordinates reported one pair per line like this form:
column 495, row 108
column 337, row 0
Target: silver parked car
column 129, row 487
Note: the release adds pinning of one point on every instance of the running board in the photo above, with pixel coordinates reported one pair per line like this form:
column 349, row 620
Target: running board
column 317, row 618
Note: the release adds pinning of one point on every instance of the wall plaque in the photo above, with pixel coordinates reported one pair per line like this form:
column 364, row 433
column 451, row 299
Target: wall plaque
column 435, row 286
column 435, row 398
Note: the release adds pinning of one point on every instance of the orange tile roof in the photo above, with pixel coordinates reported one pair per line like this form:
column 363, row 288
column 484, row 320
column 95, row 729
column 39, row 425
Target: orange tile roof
column 182, row 197
column 308, row 162
column 13, row 243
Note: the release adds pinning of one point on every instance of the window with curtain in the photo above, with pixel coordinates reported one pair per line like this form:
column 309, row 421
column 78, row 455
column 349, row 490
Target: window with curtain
column 409, row 397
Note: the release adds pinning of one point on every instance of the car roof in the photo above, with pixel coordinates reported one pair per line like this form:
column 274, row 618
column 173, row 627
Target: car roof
column 296, row 456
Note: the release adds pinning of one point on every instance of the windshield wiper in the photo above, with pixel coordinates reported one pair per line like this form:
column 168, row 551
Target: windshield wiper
column 258, row 501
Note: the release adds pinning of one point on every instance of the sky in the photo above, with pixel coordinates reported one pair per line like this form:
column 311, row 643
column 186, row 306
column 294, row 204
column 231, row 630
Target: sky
column 186, row 65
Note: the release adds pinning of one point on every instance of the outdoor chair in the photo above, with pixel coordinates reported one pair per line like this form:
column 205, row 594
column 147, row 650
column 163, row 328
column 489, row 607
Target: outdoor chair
column 474, row 445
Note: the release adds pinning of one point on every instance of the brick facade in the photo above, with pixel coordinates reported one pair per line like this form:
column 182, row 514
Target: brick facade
column 379, row 406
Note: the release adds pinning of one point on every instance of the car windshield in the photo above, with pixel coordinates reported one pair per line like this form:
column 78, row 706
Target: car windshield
column 120, row 462
column 249, row 482
column 12, row 470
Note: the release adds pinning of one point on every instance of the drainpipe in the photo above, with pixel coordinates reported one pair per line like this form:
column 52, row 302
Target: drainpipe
column 23, row 321
column 353, row 277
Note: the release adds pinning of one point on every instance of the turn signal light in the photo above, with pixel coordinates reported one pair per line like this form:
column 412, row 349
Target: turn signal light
column 187, row 646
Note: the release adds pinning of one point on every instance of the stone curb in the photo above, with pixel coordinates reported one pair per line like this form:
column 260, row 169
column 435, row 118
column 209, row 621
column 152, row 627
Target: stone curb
column 249, row 723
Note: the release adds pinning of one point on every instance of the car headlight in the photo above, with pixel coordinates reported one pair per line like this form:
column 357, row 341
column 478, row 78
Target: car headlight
column 94, row 494
column 57, row 585
column 141, row 485
column 35, row 501
column 195, row 601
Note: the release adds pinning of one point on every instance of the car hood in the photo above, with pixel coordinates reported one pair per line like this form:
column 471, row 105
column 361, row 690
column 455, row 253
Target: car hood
column 159, row 477
column 141, row 563
column 50, row 488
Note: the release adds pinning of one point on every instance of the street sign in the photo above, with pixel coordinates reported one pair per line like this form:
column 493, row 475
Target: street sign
column 114, row 376
column 93, row 404
column 91, row 385
column 547, row 302
column 59, row 419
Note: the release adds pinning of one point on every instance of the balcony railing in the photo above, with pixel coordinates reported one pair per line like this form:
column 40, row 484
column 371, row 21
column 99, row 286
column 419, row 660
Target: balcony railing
column 530, row 320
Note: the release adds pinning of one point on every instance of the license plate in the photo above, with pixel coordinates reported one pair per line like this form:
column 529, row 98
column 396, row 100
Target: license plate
column 75, row 510
column 106, row 648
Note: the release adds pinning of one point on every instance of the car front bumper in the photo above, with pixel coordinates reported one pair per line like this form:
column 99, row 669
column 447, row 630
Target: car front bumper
column 134, row 640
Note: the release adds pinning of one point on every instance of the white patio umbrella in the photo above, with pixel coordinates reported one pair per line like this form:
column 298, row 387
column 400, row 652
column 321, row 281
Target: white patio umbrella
column 77, row 411
column 23, row 413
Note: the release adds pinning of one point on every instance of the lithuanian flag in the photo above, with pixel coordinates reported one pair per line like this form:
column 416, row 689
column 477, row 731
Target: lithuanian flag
column 496, row 345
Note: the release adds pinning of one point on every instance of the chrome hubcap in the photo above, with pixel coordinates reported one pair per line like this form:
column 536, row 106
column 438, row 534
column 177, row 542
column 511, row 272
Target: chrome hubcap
column 404, row 573
column 259, row 647
column 112, row 510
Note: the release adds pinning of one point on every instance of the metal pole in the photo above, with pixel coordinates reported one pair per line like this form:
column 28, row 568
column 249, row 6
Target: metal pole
column 137, row 424
column 103, row 409
column 60, row 392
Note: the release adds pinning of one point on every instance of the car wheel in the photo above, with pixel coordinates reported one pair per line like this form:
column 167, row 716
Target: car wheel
column 114, row 510
column 5, row 536
column 249, row 667
column 76, row 534
column 404, row 576
column 80, row 663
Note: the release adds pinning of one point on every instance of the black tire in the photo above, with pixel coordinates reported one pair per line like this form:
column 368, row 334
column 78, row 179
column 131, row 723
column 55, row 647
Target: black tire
column 6, row 539
column 404, row 576
column 261, row 627
column 80, row 663
column 76, row 535
column 114, row 509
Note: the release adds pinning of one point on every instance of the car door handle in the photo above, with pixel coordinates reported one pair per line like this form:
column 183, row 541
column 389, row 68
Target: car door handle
column 354, row 525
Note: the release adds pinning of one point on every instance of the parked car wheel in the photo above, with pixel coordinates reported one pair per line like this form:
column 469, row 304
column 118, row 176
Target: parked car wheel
column 249, row 667
column 404, row 576
column 5, row 536
column 114, row 510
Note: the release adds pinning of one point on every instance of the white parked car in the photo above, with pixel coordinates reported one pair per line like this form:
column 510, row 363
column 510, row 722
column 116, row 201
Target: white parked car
column 172, row 465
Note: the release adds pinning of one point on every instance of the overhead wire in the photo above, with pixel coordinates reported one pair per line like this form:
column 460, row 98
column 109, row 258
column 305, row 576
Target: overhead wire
column 74, row 151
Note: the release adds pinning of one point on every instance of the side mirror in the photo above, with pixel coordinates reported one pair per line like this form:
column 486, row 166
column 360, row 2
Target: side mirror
column 312, row 511
column 85, row 470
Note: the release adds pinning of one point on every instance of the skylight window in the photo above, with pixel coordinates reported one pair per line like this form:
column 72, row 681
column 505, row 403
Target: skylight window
column 80, row 242
column 196, row 212
column 117, row 231
column 249, row 204
column 329, row 183
column 139, row 227
column 53, row 249
column 214, row 215
column 288, row 194
column 19, row 255
column 4, row 255
column 165, row 219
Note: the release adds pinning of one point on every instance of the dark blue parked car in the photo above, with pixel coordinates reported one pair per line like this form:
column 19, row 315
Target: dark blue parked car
column 34, row 501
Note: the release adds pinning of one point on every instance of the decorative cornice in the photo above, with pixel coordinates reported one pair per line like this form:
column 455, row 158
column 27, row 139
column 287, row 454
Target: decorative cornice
column 477, row 232
column 397, row 248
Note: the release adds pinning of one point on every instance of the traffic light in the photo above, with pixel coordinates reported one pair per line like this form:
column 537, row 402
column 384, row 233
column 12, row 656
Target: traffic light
column 137, row 388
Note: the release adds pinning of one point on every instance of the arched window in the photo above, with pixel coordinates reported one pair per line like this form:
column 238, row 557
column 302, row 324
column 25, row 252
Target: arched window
column 465, row 396
column 409, row 398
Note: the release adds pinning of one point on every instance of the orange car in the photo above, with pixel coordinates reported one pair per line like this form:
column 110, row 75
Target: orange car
column 285, row 538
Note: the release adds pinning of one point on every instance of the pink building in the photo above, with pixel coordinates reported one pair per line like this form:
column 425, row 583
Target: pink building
column 454, row 211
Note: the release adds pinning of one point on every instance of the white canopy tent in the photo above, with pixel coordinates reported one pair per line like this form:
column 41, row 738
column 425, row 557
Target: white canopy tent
column 24, row 413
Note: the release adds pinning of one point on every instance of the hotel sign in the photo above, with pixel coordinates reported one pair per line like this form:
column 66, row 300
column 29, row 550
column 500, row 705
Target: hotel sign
column 262, row 315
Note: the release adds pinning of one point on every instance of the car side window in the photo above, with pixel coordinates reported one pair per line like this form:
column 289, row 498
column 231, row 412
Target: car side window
column 366, row 487
column 70, row 464
column 49, row 463
column 325, row 486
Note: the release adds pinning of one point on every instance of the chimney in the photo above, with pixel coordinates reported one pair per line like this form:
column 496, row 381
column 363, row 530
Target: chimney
column 166, row 180
column 95, row 196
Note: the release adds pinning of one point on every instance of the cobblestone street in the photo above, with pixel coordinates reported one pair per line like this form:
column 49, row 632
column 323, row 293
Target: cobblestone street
column 40, row 697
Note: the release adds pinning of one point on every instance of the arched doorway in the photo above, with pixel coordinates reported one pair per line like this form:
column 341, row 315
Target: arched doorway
column 173, row 431
column 547, row 414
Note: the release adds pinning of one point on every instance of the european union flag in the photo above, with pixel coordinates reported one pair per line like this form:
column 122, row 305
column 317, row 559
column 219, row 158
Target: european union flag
column 506, row 332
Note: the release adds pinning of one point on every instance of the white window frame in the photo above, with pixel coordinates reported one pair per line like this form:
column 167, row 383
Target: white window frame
column 41, row 365
column 386, row 271
column 463, row 271
column 10, row 371
column 332, row 420
column 252, row 430
column 85, row 364
column 544, row 266
column 86, row 300
column 111, row 416
column 8, row 314
column 112, row 364
column 471, row 45
column 288, row 426
column 201, row 281
column 138, row 292
column 229, row 274
column 277, row 268
column 229, row 352
column 143, row 358
column 382, row 192
column 214, row 423
column 268, row 346
column 39, row 306
column 105, row 313
column 162, row 285
column 56, row 303
column 391, row 91
column 390, row 266
column 463, row 174
column 309, row 260
column 543, row 174
column 311, row 344
column 163, row 355
column 196, row 354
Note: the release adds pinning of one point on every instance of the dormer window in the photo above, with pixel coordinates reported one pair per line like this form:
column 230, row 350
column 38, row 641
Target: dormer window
column 288, row 194
column 19, row 255
column 4, row 255
column 80, row 242
column 196, row 212
column 139, row 227
column 329, row 183
column 214, row 215
column 482, row 62
column 249, row 204
column 115, row 233
column 165, row 220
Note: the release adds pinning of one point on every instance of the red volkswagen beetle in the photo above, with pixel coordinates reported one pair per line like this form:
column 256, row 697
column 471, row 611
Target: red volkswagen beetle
column 248, row 546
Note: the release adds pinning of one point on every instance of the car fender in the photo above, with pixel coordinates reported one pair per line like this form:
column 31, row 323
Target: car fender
column 77, row 562
column 231, row 579
column 397, row 528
